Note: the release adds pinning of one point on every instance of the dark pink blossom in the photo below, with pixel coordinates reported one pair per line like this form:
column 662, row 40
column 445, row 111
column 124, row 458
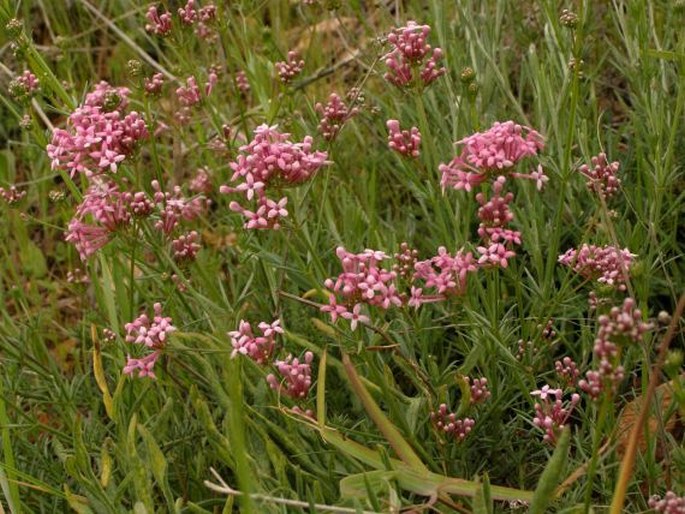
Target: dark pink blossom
column 186, row 246
column 296, row 376
column 602, row 178
column 334, row 115
column 290, row 68
column 448, row 423
column 99, row 135
column 405, row 142
column 670, row 503
column 158, row 24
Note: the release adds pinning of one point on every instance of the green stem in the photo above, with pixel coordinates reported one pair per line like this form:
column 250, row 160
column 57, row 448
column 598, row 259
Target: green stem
column 596, row 442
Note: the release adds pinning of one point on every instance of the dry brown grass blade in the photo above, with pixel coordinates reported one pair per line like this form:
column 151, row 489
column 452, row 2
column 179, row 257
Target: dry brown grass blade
column 662, row 416
column 628, row 461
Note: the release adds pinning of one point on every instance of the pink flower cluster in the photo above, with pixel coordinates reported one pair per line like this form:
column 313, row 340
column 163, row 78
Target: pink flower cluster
column 11, row 194
column 405, row 142
column 175, row 207
column 152, row 334
column 153, row 85
column 296, row 376
column 257, row 348
column 494, row 151
column 445, row 273
column 622, row 325
column 602, row 178
column 189, row 15
column 271, row 161
column 99, row 134
column 606, row 264
column 24, row 86
column 334, row 115
column 670, row 503
column 158, row 24
column 362, row 281
column 567, row 370
column 105, row 209
column 29, row 81
column 412, row 59
column 551, row 413
column 365, row 281
column 290, row 68
column 241, row 82
column 448, row 423
column 495, row 215
column 479, row 389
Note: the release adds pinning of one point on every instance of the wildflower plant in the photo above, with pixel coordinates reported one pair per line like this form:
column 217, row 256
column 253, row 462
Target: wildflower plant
column 388, row 299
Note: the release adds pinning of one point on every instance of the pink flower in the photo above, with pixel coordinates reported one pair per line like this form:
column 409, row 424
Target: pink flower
column 242, row 83
column 159, row 25
column 410, row 51
column 99, row 135
column 334, row 115
column 495, row 255
column 602, row 178
column 404, row 142
column 143, row 366
column 296, row 376
column 153, row 85
column 188, row 14
column 551, row 414
column 333, row 308
column 291, row 68
column 670, row 503
column 11, row 194
column 152, row 334
column 260, row 348
column 448, row 423
column 186, row 246
column 606, row 264
column 355, row 317
column 270, row 159
column 190, row 94
column 28, row 82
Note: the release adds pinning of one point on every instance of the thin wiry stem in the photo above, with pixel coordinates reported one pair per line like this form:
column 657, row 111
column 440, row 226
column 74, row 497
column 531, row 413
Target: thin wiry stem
column 143, row 54
column 223, row 488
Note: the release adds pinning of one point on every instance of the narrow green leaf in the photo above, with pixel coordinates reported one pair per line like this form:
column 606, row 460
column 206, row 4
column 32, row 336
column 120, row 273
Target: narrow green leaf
column 158, row 464
column 551, row 475
column 321, row 391
column 482, row 502
column 391, row 433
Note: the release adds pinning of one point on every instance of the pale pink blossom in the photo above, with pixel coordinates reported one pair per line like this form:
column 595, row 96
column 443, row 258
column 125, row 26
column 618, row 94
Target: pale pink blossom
column 412, row 59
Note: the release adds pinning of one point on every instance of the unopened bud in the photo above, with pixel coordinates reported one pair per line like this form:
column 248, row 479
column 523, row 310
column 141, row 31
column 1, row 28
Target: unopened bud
column 467, row 75
column 134, row 67
column 14, row 28
column 568, row 19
